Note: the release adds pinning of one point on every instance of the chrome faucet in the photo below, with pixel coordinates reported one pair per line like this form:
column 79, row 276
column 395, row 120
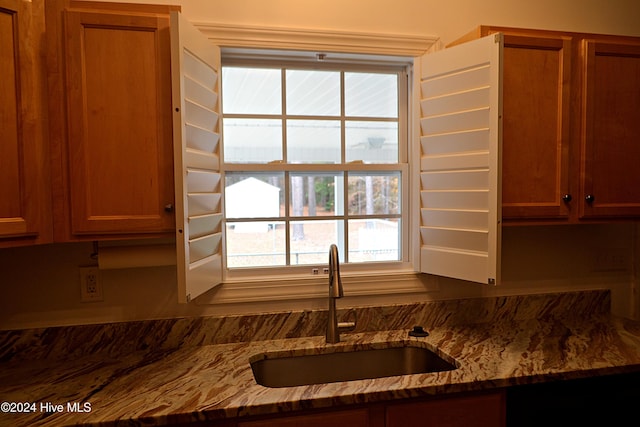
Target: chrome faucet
column 335, row 291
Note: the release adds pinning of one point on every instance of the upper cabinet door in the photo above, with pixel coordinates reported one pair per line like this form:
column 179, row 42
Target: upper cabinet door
column 610, row 129
column 460, row 187
column 195, row 68
column 24, row 173
column 119, row 123
column 536, row 136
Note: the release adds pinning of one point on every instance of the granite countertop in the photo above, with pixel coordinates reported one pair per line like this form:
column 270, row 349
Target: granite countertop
column 214, row 381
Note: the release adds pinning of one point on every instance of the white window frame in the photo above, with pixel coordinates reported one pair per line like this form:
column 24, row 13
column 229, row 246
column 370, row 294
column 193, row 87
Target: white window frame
column 407, row 48
column 346, row 63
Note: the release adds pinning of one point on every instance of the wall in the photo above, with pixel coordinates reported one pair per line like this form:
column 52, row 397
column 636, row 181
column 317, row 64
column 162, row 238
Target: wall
column 446, row 19
column 40, row 284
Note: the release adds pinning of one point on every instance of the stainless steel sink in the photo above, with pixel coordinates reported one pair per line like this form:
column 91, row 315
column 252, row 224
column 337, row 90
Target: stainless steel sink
column 288, row 371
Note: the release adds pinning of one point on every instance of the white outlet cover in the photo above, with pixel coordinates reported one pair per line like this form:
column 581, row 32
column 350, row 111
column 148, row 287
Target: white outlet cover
column 90, row 284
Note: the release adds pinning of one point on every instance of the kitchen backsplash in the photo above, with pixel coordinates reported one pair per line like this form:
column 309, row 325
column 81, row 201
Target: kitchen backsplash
column 114, row 339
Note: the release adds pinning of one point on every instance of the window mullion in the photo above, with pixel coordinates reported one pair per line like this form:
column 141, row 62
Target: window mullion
column 343, row 144
column 403, row 114
column 285, row 160
column 283, row 85
column 343, row 232
column 287, row 218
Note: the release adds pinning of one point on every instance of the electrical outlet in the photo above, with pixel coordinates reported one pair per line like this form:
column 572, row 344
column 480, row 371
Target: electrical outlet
column 90, row 285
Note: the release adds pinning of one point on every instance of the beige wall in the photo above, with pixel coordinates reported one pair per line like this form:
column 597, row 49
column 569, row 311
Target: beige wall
column 40, row 285
column 446, row 19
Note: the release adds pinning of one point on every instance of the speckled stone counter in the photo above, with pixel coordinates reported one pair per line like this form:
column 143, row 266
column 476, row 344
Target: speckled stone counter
column 188, row 372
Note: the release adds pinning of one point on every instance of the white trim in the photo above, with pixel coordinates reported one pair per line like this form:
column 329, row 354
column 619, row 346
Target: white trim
column 396, row 283
column 225, row 35
column 391, row 283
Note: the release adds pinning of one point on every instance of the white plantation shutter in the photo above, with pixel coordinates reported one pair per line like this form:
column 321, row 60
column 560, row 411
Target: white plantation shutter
column 460, row 121
column 195, row 68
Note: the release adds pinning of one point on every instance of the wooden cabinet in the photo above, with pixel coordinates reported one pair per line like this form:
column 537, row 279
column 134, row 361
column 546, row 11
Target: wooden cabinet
column 351, row 418
column 570, row 127
column 596, row 401
column 25, row 199
column 480, row 410
column 536, row 137
column 610, row 128
column 110, row 109
column 85, row 121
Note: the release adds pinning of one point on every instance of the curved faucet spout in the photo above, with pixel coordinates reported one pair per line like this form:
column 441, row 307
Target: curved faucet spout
column 335, row 281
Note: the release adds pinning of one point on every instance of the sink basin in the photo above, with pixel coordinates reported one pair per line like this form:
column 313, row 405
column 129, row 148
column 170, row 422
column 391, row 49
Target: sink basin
column 346, row 366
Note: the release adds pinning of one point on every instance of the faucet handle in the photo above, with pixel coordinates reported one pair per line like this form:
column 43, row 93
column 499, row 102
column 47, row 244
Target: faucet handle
column 348, row 326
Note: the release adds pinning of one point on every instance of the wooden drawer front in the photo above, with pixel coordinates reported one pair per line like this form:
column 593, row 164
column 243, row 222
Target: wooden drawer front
column 351, row 418
column 485, row 410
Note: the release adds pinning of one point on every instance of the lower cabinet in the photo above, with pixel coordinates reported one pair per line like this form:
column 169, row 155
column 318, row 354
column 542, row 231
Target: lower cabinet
column 483, row 410
column 351, row 418
column 458, row 410
column 599, row 401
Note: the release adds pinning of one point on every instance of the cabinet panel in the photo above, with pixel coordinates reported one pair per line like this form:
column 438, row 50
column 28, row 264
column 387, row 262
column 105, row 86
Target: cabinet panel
column 611, row 129
column 119, row 119
column 11, row 209
column 351, row 418
column 486, row 410
column 24, row 196
column 536, row 137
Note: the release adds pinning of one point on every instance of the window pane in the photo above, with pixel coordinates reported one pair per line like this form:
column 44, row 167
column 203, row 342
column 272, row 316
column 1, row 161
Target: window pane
column 310, row 241
column 374, row 240
column 280, row 215
column 255, row 244
column 315, row 93
column 253, row 195
column 313, row 141
column 315, row 195
column 251, row 91
column 371, row 194
column 371, row 95
column 252, row 140
column 372, row 142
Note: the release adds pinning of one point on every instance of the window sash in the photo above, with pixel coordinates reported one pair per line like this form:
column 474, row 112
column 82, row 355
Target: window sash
column 401, row 166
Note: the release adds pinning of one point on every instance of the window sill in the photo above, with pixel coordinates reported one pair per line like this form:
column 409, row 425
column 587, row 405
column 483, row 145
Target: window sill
column 309, row 288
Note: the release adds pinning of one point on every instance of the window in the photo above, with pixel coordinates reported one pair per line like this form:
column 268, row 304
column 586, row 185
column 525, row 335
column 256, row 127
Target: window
column 314, row 153
column 452, row 102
